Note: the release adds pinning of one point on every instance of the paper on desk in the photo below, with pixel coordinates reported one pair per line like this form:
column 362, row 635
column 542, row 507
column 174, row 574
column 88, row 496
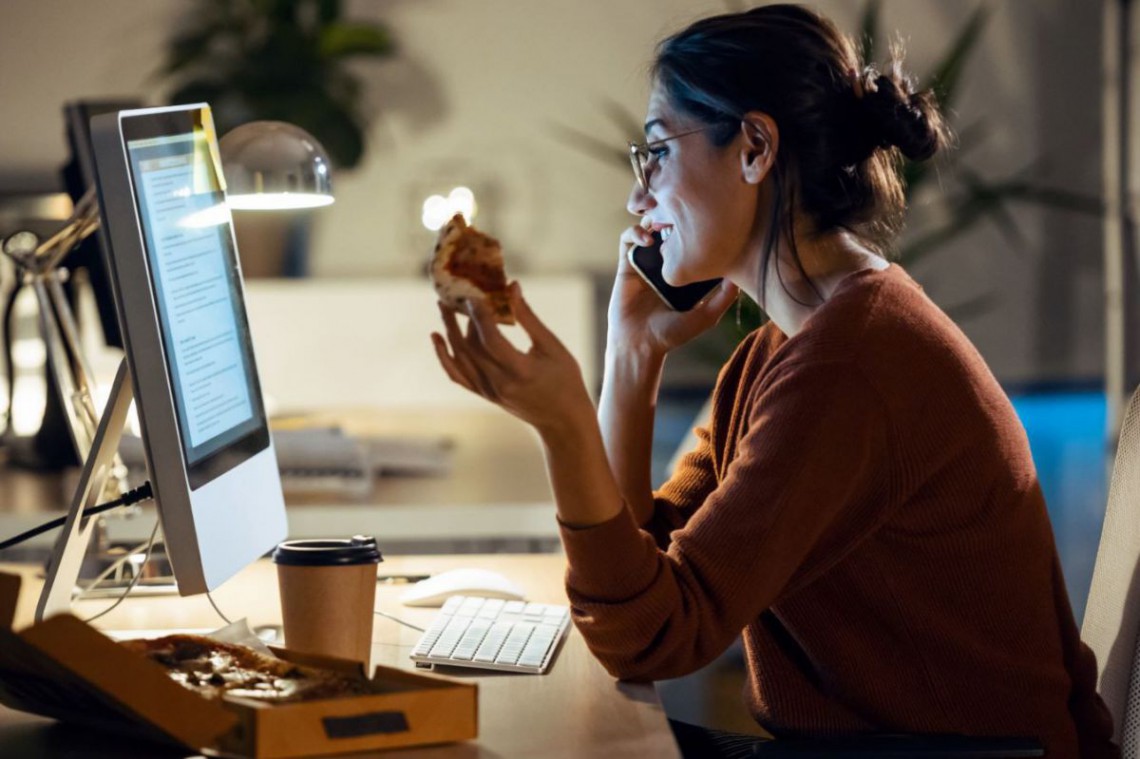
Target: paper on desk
column 331, row 448
column 239, row 632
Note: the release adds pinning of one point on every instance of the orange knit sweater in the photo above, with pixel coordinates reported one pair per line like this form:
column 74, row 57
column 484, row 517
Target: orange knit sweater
column 864, row 509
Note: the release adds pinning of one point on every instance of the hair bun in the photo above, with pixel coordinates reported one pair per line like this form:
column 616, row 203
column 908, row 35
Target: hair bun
column 896, row 116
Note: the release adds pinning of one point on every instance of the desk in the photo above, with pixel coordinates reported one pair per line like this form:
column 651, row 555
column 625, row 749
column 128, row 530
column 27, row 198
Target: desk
column 496, row 497
column 575, row 710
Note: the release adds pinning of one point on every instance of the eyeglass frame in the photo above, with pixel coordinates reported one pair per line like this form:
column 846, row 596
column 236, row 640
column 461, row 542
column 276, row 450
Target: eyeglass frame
column 640, row 154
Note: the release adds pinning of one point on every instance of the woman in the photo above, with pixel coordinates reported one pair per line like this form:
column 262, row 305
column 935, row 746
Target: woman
column 863, row 506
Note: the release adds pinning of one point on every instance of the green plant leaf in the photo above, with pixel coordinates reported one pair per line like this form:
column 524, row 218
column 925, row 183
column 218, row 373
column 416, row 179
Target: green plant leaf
column 189, row 49
column 982, row 199
column 199, row 91
column 965, row 212
column 343, row 39
column 991, row 199
column 334, row 124
column 281, row 11
column 870, row 31
column 328, row 10
column 623, row 119
column 969, row 137
column 947, row 74
column 973, row 307
column 1051, row 197
column 602, row 150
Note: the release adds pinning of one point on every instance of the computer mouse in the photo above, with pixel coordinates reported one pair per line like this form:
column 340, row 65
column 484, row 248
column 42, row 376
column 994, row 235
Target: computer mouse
column 461, row 582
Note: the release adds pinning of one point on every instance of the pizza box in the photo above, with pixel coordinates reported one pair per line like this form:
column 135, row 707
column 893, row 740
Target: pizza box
column 65, row 669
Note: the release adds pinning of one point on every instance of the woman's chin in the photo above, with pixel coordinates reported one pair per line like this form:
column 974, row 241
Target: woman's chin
column 676, row 278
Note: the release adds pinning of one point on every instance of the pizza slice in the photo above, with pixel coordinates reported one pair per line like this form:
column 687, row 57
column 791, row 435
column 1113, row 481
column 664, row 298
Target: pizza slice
column 468, row 264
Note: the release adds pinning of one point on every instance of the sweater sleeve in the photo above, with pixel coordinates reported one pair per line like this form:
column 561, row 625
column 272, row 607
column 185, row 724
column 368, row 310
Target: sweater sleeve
column 688, row 487
column 805, row 485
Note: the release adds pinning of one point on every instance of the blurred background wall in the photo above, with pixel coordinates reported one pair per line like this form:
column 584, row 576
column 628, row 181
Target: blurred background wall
column 475, row 91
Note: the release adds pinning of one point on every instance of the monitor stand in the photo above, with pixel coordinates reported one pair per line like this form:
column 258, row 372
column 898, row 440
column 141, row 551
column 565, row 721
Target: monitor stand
column 67, row 555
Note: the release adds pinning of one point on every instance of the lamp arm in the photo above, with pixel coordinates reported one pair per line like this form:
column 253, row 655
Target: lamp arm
column 69, row 335
column 83, row 221
column 64, row 369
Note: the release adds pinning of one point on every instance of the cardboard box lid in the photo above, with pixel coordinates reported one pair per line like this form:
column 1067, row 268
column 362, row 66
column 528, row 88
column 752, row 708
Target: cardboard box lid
column 405, row 709
column 65, row 669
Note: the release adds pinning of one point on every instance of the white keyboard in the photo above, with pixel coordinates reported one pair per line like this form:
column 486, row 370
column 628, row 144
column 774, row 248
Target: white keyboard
column 490, row 633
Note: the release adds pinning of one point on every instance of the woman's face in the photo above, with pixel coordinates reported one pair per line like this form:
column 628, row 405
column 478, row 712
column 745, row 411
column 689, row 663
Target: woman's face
column 698, row 198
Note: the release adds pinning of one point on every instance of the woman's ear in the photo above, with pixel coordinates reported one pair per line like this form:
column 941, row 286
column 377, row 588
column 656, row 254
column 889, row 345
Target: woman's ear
column 758, row 151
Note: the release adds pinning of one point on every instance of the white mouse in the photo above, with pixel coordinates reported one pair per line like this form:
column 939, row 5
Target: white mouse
column 461, row 582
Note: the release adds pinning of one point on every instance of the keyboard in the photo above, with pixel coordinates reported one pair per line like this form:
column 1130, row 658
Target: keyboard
column 490, row 633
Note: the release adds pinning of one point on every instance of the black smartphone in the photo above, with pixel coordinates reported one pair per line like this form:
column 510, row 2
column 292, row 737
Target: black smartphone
column 647, row 262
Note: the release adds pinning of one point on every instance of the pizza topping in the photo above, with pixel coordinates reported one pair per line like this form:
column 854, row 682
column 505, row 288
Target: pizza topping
column 214, row 669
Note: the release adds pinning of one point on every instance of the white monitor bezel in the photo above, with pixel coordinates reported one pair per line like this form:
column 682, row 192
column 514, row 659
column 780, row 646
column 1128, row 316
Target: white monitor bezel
column 213, row 528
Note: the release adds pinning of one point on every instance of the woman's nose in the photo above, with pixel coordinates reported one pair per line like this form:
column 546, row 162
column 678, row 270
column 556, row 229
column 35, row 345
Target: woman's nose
column 640, row 201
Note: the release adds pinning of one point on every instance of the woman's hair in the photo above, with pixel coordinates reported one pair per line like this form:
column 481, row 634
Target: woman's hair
column 843, row 126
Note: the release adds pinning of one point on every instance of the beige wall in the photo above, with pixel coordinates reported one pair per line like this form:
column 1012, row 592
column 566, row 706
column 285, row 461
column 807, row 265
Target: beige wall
column 478, row 83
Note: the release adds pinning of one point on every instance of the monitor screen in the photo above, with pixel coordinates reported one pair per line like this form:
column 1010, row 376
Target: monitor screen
column 193, row 268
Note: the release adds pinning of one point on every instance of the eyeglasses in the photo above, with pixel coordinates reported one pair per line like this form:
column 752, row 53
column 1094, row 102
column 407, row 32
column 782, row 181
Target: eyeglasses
column 641, row 153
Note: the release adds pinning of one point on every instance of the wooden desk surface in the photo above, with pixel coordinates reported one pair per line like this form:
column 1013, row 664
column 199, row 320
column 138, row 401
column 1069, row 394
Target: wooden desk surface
column 575, row 710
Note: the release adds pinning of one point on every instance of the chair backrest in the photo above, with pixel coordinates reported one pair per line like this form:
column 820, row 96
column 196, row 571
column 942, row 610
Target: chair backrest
column 1112, row 616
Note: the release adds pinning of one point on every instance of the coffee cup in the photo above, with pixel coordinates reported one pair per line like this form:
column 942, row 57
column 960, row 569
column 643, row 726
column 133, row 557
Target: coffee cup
column 328, row 593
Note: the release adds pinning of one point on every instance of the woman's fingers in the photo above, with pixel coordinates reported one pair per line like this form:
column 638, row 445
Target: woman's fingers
column 488, row 374
column 491, row 341
column 636, row 235
column 463, row 350
column 538, row 332
column 449, row 364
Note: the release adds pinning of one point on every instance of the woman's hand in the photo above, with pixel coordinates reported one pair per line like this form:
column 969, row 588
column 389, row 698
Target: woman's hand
column 640, row 320
column 543, row 386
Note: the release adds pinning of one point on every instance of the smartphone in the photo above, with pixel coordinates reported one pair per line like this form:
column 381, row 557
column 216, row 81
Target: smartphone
column 647, row 262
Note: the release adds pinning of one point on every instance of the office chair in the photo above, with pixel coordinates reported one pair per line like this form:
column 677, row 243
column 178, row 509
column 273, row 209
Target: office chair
column 1112, row 617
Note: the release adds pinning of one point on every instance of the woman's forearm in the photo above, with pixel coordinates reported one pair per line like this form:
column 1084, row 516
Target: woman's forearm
column 584, row 489
column 625, row 414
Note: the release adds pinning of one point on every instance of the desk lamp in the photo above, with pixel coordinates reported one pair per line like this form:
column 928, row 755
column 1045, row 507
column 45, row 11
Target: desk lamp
column 271, row 165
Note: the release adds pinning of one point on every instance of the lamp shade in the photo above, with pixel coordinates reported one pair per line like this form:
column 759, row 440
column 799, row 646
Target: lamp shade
column 272, row 165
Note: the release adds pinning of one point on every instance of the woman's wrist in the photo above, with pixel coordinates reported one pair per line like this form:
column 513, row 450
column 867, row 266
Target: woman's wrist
column 633, row 360
column 632, row 376
column 568, row 424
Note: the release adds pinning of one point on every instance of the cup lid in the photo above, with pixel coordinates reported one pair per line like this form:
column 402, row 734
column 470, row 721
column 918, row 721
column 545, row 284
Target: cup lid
column 359, row 549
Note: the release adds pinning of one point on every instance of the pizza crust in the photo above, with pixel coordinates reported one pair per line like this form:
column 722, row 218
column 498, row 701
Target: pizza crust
column 468, row 265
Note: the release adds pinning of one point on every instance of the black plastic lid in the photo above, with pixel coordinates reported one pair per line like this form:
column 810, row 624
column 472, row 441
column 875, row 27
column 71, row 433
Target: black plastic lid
column 330, row 552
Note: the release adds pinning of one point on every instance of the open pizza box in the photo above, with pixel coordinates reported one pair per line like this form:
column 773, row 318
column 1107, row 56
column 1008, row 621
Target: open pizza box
column 65, row 669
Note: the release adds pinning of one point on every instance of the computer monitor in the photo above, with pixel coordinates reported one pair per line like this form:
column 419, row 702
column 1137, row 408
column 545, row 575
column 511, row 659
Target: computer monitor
column 78, row 175
column 174, row 271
